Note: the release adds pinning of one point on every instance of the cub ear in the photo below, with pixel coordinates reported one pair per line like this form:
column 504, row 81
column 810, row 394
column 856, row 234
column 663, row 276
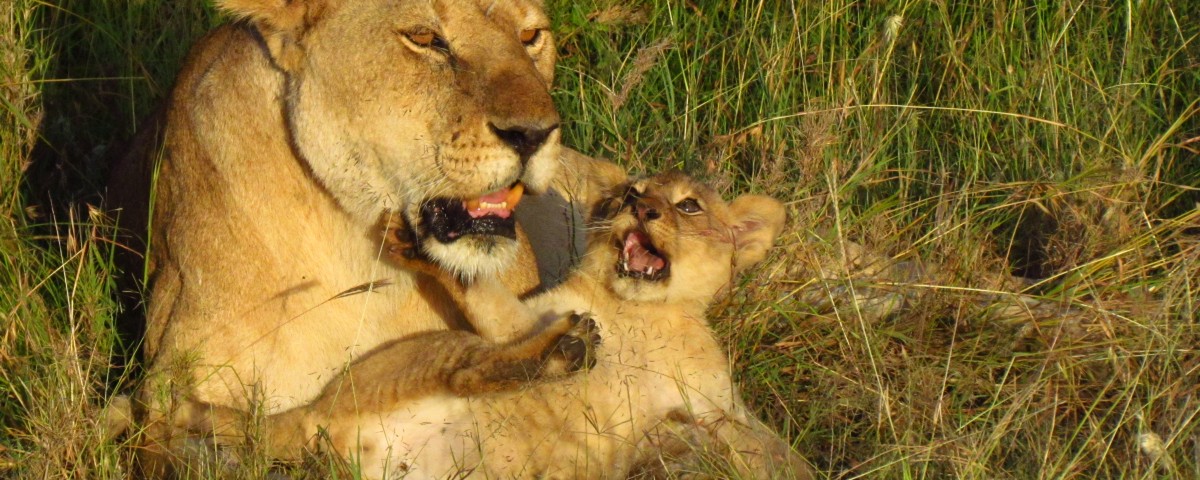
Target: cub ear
column 757, row 222
column 282, row 24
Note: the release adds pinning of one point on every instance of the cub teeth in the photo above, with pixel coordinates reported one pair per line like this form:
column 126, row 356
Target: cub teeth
column 649, row 270
column 503, row 205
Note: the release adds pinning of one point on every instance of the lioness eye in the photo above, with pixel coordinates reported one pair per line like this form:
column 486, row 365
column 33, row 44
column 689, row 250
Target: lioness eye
column 689, row 206
column 427, row 39
column 530, row 36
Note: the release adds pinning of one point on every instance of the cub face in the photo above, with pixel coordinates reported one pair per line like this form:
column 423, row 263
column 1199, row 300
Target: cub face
column 439, row 109
column 673, row 239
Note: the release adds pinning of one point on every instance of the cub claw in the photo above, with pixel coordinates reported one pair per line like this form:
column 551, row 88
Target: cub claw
column 403, row 248
column 577, row 347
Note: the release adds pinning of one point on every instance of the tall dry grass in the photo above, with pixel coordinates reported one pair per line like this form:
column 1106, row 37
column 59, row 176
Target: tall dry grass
column 991, row 266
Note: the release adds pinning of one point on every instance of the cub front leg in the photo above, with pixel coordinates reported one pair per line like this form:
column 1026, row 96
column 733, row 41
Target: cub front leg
column 495, row 312
column 564, row 346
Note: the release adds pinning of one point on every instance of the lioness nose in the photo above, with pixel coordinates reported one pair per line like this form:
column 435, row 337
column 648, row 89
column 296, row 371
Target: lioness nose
column 525, row 140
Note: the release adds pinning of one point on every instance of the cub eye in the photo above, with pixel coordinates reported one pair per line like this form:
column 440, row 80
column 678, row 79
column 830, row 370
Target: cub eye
column 427, row 39
column 689, row 206
column 530, row 36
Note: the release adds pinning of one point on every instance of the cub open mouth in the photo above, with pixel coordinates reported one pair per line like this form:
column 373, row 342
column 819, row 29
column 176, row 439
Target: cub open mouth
column 449, row 219
column 640, row 260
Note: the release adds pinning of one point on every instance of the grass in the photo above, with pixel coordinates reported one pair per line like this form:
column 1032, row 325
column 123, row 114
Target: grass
column 990, row 271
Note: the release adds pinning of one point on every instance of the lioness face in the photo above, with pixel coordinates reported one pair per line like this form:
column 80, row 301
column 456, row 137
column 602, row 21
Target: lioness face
column 674, row 239
column 439, row 109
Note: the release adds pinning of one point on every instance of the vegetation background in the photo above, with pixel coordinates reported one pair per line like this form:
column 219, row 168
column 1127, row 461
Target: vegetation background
column 991, row 269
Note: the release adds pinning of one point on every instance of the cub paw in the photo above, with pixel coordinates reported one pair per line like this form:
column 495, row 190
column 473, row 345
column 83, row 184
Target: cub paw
column 402, row 248
column 576, row 348
column 399, row 241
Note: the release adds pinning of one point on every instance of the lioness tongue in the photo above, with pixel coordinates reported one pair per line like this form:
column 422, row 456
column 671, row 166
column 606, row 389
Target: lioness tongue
column 499, row 203
column 638, row 257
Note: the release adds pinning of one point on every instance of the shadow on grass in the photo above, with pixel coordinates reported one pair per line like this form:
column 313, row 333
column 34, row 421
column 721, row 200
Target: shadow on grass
column 111, row 63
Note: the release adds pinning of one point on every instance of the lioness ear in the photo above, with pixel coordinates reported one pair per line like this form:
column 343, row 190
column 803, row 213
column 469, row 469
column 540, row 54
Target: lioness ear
column 281, row 23
column 757, row 222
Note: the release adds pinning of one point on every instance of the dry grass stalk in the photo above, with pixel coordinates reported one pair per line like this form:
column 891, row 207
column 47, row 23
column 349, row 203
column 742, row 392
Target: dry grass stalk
column 619, row 14
column 646, row 59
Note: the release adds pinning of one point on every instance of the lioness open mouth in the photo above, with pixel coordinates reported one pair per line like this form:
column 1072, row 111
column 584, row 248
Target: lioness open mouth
column 449, row 219
column 639, row 259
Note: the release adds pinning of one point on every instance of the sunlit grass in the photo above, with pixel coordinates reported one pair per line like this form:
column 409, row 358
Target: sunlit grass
column 930, row 154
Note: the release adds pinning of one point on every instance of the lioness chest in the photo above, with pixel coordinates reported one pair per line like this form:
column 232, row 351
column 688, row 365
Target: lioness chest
column 317, row 300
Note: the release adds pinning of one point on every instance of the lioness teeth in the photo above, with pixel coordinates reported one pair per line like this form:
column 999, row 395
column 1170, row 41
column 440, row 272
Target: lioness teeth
column 499, row 203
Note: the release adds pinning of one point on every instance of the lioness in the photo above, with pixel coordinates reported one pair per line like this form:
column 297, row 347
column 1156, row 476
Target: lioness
column 660, row 380
column 287, row 136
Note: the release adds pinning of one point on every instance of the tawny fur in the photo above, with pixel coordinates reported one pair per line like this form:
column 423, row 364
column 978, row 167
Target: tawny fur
column 659, row 393
column 289, row 133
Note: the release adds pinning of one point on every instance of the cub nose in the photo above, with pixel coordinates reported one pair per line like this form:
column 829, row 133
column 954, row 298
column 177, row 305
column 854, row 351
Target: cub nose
column 524, row 139
column 646, row 212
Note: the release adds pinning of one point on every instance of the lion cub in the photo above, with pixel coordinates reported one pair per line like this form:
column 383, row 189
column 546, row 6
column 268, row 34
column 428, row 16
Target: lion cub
column 659, row 386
